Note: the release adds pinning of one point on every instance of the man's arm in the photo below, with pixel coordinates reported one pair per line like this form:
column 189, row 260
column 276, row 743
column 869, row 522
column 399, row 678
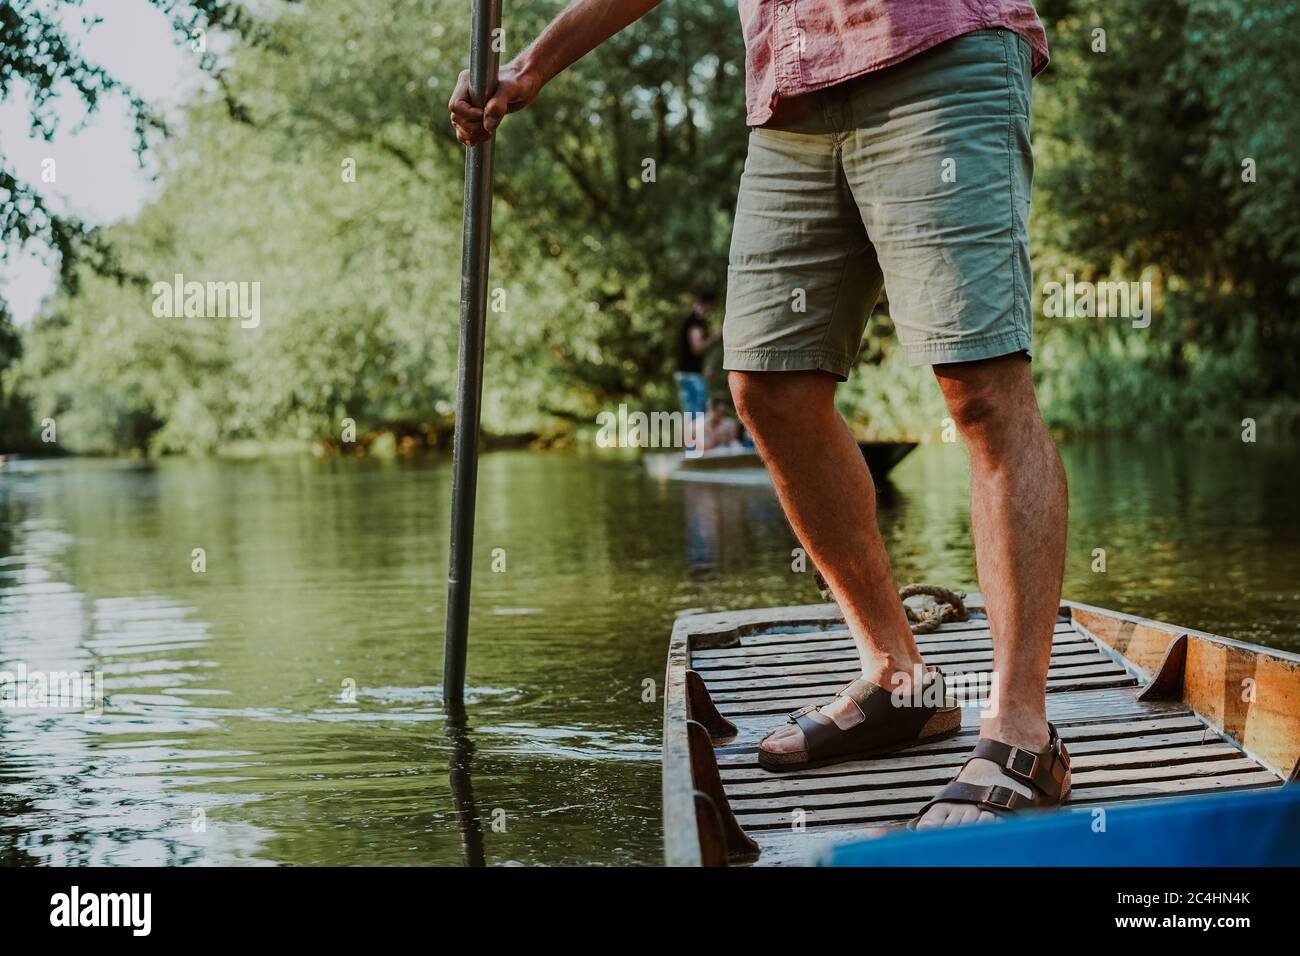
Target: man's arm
column 579, row 29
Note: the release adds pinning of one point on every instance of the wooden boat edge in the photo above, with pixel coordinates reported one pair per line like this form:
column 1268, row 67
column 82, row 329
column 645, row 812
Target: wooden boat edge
column 1209, row 673
column 681, row 840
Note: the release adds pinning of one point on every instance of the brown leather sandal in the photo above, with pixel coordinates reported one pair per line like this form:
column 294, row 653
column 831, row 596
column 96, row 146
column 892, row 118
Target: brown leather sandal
column 1046, row 773
column 886, row 725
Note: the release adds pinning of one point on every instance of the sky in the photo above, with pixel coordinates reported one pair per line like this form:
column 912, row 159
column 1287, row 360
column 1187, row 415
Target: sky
column 97, row 174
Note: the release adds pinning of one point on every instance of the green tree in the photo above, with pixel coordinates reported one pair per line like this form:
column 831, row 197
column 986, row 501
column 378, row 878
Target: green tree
column 1150, row 147
column 15, row 416
column 322, row 166
column 40, row 60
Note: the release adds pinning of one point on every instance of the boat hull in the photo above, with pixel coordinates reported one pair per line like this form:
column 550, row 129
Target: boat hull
column 1150, row 712
column 746, row 468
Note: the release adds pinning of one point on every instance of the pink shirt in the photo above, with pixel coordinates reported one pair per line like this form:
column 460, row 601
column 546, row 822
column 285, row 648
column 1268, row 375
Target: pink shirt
column 797, row 46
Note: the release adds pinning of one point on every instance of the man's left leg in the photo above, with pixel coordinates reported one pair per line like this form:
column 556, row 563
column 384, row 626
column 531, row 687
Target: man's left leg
column 1018, row 515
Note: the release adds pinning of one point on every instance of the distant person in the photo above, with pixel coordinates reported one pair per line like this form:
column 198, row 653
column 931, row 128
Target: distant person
column 720, row 429
column 693, row 341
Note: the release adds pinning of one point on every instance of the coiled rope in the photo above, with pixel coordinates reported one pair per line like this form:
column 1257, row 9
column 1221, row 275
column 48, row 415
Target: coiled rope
column 948, row 605
column 945, row 604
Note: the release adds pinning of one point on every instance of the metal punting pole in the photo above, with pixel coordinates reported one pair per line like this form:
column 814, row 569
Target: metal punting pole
column 483, row 57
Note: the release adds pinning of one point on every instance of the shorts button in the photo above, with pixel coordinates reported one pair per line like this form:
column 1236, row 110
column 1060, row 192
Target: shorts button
column 782, row 10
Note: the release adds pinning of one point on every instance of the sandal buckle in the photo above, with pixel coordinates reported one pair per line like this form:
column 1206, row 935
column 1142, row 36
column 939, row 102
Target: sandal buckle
column 1015, row 763
column 1005, row 803
column 1061, row 765
column 1062, row 755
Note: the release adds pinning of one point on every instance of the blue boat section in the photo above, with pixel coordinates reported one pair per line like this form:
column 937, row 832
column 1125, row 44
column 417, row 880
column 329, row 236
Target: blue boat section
column 1258, row 828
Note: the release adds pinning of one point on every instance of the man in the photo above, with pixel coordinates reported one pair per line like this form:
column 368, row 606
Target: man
column 692, row 342
column 889, row 147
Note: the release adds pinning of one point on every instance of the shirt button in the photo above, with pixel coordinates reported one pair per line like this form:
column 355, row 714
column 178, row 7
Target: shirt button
column 990, row 10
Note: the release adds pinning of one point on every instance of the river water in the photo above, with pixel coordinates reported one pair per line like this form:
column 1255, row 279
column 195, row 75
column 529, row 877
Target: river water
column 267, row 636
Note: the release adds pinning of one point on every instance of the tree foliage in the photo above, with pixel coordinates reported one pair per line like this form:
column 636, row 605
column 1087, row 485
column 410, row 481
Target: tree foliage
column 41, row 61
column 614, row 196
column 1170, row 156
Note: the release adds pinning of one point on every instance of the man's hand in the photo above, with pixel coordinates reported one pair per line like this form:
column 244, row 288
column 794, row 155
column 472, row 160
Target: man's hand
column 515, row 89
column 580, row 28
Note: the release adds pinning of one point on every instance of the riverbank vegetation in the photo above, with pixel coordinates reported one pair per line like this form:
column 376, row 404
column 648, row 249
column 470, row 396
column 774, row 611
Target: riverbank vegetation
column 322, row 167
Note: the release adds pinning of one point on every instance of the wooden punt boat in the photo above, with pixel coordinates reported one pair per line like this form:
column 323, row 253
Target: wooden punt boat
column 1149, row 711
column 745, row 467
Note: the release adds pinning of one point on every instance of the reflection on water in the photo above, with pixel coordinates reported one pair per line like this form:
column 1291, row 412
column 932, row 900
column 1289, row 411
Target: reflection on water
column 284, row 705
column 460, row 776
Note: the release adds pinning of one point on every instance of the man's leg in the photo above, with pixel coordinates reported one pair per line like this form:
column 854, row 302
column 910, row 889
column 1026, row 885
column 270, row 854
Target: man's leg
column 1018, row 514
column 823, row 484
column 693, row 394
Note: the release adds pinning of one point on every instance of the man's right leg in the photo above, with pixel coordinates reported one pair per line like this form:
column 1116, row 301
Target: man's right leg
column 826, row 491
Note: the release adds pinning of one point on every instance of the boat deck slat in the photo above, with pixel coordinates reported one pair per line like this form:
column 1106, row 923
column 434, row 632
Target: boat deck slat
column 814, row 672
column 957, row 635
column 779, row 671
column 778, row 654
column 941, row 767
column 887, row 788
column 905, row 806
column 740, row 768
column 826, row 686
column 1096, row 705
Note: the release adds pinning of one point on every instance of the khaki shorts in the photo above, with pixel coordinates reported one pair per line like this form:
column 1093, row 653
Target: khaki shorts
column 914, row 179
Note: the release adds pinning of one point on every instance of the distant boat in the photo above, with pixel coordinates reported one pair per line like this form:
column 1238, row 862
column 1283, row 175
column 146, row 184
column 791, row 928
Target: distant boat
column 742, row 466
